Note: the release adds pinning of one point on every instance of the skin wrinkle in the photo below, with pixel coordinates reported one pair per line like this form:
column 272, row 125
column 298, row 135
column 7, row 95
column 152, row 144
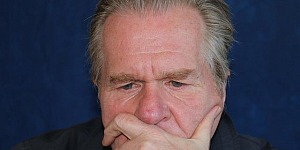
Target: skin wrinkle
column 144, row 19
column 153, row 93
column 213, row 13
column 182, row 102
column 161, row 52
column 125, row 55
column 156, row 52
column 134, row 77
column 177, row 75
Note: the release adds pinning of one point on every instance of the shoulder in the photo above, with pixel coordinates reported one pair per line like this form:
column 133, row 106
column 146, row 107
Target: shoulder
column 227, row 138
column 79, row 137
column 251, row 143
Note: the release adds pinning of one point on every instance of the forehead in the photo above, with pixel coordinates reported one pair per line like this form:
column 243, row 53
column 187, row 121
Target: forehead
column 130, row 28
column 152, row 42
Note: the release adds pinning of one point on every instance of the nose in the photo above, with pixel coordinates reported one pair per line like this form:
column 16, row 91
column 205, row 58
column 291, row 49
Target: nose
column 152, row 108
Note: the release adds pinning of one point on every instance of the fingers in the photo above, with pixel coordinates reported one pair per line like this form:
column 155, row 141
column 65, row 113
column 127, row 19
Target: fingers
column 204, row 129
column 132, row 127
column 126, row 124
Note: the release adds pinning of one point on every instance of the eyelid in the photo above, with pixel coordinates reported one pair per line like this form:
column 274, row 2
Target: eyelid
column 181, row 82
column 134, row 85
column 122, row 83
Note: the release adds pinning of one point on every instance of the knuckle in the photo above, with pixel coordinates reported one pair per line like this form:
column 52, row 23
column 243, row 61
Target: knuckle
column 121, row 120
column 146, row 145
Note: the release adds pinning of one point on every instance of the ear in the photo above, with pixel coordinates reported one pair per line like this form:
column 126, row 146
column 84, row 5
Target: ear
column 95, row 83
column 224, row 87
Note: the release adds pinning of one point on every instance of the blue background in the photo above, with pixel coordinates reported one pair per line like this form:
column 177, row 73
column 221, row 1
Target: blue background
column 45, row 81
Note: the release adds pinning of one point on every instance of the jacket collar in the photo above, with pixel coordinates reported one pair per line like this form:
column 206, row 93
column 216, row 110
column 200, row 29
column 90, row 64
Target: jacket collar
column 225, row 137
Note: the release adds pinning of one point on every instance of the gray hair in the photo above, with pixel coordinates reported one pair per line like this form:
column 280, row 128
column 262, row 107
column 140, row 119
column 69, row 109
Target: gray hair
column 217, row 40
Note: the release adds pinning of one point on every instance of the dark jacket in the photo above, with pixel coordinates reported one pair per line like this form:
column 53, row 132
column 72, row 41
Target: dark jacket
column 88, row 136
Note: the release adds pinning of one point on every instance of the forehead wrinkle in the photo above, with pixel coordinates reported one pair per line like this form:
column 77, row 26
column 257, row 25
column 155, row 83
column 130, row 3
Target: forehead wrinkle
column 156, row 52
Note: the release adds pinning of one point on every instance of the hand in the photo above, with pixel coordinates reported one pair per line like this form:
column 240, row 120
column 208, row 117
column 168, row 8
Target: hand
column 145, row 136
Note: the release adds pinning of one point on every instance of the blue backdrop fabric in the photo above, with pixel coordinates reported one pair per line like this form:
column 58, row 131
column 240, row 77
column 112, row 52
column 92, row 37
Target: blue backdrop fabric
column 45, row 82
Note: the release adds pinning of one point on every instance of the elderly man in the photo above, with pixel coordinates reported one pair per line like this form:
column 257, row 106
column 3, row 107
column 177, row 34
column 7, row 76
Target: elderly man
column 161, row 69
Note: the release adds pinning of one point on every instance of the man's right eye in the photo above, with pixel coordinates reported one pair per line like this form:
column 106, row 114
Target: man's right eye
column 127, row 86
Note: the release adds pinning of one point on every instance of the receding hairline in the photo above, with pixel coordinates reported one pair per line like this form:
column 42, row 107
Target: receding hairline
column 153, row 9
column 216, row 16
column 200, row 25
column 150, row 10
column 195, row 21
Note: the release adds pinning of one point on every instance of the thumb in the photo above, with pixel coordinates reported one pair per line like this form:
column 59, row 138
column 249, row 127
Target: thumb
column 204, row 130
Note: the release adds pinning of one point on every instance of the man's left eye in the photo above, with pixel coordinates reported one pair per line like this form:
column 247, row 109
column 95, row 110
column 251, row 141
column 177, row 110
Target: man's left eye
column 176, row 84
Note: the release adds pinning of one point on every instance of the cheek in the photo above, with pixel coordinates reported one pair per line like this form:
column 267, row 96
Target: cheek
column 189, row 109
column 186, row 106
column 112, row 105
column 108, row 112
column 108, row 109
column 188, row 115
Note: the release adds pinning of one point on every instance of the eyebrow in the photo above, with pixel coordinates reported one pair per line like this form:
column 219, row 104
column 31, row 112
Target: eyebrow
column 121, row 78
column 178, row 74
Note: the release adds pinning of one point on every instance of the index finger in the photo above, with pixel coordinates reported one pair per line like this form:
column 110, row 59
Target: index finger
column 204, row 129
column 126, row 124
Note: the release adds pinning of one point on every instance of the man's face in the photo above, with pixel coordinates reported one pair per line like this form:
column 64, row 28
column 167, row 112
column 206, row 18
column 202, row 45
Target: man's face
column 154, row 69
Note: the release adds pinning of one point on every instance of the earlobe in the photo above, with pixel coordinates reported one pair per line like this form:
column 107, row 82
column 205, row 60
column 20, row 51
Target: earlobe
column 224, row 95
column 225, row 86
column 228, row 74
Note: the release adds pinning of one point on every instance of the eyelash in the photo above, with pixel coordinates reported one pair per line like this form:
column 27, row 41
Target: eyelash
column 172, row 82
column 128, row 86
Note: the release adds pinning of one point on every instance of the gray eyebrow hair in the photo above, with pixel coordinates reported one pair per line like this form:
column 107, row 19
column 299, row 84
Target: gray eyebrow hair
column 178, row 74
column 174, row 75
column 121, row 78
